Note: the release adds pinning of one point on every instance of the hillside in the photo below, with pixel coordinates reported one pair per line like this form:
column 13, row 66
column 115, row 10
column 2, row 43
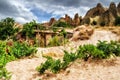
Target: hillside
column 68, row 48
column 107, row 69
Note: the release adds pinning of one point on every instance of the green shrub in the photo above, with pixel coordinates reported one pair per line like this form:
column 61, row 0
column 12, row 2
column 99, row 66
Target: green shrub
column 69, row 57
column 89, row 50
column 101, row 51
column 21, row 49
column 9, row 52
column 102, row 23
column 55, row 41
column 109, row 48
column 28, row 29
column 56, row 65
column 7, row 28
column 117, row 21
column 50, row 64
column 61, row 24
column 4, row 74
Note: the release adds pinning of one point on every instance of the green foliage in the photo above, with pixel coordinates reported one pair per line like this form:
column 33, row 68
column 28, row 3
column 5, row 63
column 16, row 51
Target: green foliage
column 109, row 48
column 101, row 51
column 102, row 23
column 61, row 24
column 55, row 29
column 28, row 29
column 55, row 41
column 63, row 33
column 9, row 52
column 21, row 49
column 7, row 28
column 87, row 51
column 117, row 21
column 69, row 57
column 4, row 74
column 56, row 65
column 51, row 64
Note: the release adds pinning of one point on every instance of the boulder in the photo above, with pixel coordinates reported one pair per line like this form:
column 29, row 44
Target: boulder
column 82, row 33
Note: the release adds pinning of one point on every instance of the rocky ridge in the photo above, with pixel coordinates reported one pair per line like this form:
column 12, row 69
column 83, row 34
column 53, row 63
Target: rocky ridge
column 99, row 13
column 104, row 15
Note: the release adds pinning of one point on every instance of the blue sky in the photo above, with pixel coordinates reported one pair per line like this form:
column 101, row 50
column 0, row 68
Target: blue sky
column 42, row 10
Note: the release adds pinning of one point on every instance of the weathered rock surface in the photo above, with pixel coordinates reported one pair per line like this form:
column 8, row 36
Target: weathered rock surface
column 82, row 33
column 118, row 9
column 52, row 21
column 106, row 15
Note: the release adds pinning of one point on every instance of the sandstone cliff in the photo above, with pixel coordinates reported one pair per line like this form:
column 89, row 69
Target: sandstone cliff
column 106, row 15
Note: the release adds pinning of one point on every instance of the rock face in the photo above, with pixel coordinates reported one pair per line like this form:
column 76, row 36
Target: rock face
column 52, row 21
column 113, row 9
column 118, row 9
column 109, row 15
column 68, row 19
column 76, row 20
column 97, row 11
column 105, row 15
column 82, row 33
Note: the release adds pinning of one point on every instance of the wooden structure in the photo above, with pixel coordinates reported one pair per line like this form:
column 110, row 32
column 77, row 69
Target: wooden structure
column 45, row 34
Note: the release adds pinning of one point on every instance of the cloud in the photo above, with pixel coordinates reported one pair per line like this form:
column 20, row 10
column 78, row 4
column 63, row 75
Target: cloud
column 17, row 10
column 42, row 10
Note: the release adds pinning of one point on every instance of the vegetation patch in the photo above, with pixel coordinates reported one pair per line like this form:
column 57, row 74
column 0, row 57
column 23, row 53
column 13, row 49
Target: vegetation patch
column 103, row 50
column 10, row 51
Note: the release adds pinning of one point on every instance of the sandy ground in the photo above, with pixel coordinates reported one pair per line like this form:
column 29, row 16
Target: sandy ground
column 24, row 69
column 79, row 70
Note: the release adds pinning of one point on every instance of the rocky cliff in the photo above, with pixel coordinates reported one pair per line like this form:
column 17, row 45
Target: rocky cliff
column 99, row 13
column 106, row 15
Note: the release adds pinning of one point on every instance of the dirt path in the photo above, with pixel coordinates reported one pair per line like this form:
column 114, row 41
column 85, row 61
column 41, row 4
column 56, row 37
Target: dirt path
column 24, row 69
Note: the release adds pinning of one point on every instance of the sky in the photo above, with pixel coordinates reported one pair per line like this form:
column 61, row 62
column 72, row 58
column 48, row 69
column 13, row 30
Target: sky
column 42, row 10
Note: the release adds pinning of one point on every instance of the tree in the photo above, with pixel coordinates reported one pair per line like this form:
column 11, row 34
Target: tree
column 28, row 29
column 6, row 28
column 117, row 21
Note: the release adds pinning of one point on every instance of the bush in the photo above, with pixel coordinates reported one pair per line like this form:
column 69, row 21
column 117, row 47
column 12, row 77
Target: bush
column 21, row 50
column 9, row 51
column 117, row 21
column 51, row 64
column 7, row 28
column 61, row 24
column 109, row 48
column 55, row 41
column 87, row 51
column 101, row 51
column 102, row 23
column 28, row 29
